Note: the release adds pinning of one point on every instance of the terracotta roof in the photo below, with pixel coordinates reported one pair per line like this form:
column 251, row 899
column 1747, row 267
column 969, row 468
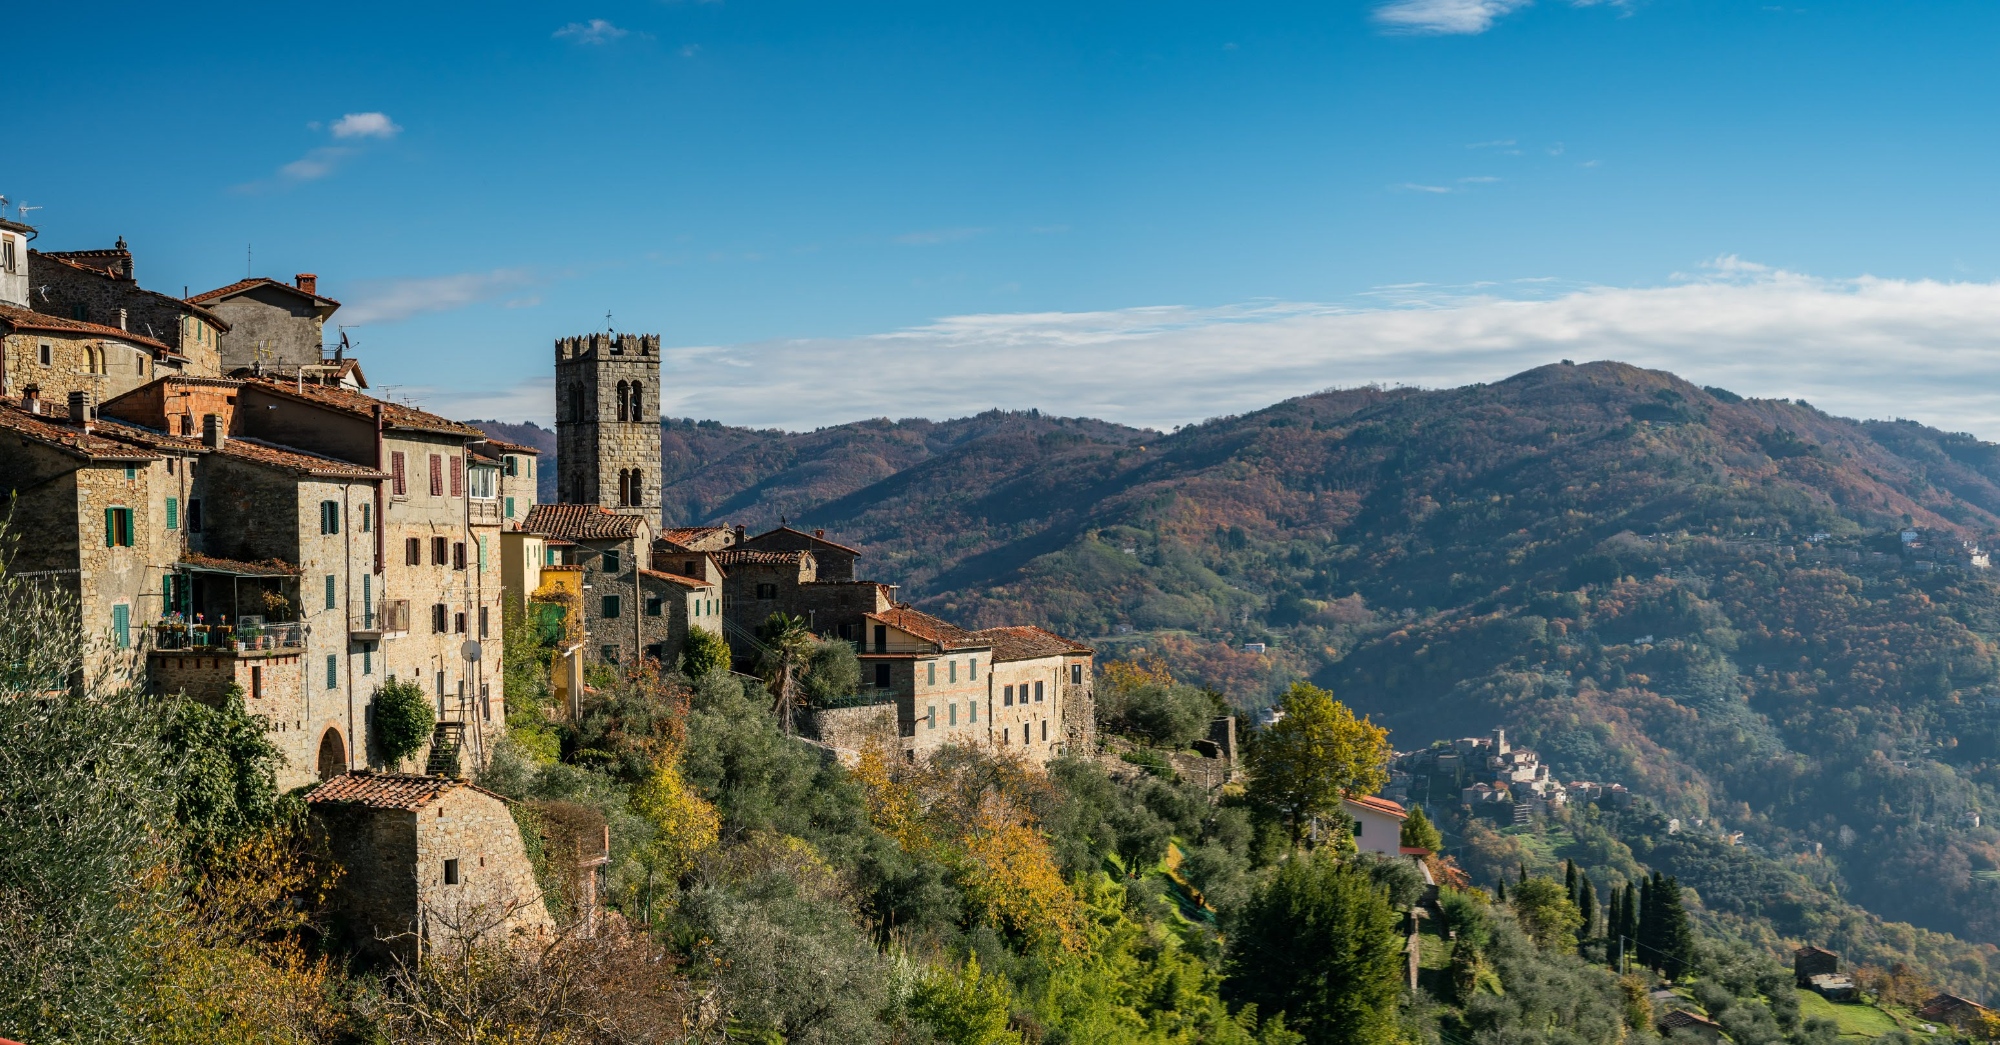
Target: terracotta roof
column 70, row 258
column 1379, row 805
column 948, row 636
column 297, row 461
column 675, row 578
column 27, row 319
column 681, row 535
column 728, row 557
column 506, row 447
column 388, row 790
column 1809, row 950
column 15, row 226
column 357, row 404
column 1684, row 1018
column 1027, row 642
column 140, row 435
column 813, row 537
column 211, row 564
column 242, row 285
column 1944, row 1006
column 55, row 432
column 581, row 522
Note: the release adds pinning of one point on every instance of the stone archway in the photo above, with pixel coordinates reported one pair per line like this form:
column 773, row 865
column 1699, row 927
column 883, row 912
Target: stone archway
column 332, row 754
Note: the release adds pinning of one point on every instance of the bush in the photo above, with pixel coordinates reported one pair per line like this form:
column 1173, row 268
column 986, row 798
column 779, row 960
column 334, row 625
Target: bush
column 702, row 653
column 1171, row 716
column 833, row 672
column 403, row 720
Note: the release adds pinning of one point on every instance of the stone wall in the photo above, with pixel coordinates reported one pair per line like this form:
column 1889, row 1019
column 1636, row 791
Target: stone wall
column 76, row 292
column 374, row 903
column 496, row 887
column 270, row 325
column 850, row 731
column 837, row 608
column 101, row 366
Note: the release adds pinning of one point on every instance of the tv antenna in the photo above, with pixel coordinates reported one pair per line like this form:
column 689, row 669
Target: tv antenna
column 246, row 261
column 608, row 328
column 24, row 209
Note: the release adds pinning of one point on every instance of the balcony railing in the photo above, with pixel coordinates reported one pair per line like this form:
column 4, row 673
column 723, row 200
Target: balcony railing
column 225, row 638
column 485, row 511
column 388, row 618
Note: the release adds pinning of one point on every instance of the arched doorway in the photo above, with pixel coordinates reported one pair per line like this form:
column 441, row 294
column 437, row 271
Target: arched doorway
column 332, row 754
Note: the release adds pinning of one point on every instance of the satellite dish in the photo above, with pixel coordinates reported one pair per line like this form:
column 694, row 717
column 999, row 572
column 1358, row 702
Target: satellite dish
column 469, row 651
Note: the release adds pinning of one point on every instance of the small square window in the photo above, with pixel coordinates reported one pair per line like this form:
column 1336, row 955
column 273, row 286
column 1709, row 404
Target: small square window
column 653, row 605
column 609, row 562
column 610, row 607
column 610, row 654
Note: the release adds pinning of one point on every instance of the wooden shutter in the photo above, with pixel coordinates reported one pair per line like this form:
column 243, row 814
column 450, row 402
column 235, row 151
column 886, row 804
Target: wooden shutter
column 437, row 476
column 121, row 625
column 173, row 513
column 399, row 467
column 457, row 476
column 110, row 527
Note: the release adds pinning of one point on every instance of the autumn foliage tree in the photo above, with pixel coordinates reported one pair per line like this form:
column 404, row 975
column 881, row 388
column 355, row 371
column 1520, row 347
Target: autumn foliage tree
column 1318, row 753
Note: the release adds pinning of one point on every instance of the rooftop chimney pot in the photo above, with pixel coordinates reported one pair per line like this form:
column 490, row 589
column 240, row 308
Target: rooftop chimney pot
column 79, row 410
column 31, row 399
column 213, row 435
column 307, row 282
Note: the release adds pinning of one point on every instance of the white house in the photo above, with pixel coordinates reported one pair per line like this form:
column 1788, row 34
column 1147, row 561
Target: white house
column 1378, row 824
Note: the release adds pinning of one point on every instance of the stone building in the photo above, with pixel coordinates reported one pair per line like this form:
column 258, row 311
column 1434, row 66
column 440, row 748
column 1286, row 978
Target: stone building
column 608, row 423
column 515, row 469
column 757, row 584
column 53, row 356
column 425, row 859
column 835, row 561
column 280, row 326
column 631, row 607
column 99, row 286
column 1042, row 692
column 14, row 284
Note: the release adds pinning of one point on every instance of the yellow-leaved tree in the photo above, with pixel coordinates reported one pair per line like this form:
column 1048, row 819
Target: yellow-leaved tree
column 685, row 825
column 1302, row 765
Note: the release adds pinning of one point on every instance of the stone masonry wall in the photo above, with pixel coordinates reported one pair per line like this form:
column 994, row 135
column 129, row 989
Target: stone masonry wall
column 75, row 293
column 850, row 731
column 271, row 326
column 592, row 444
column 495, row 877
column 71, row 368
column 375, row 900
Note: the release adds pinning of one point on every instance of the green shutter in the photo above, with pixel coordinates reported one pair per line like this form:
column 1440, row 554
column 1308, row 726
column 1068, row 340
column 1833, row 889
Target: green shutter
column 110, row 532
column 510, row 507
column 121, row 625
column 173, row 513
column 329, row 591
column 332, row 671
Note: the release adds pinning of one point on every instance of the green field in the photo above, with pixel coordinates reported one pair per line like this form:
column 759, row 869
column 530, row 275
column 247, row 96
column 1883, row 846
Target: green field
column 1857, row 1021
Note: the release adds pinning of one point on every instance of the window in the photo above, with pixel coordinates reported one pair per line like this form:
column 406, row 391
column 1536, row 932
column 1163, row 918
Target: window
column 117, row 527
column 1357, row 829
column 48, row 354
column 653, row 605
column 610, row 607
column 1076, row 674
column 329, row 516
column 256, row 682
column 609, row 562
column 932, row 673
column 457, row 476
column 437, row 475
column 458, row 624
column 622, row 404
column 881, row 676
column 638, row 487
column 458, row 555
column 1045, row 729
column 440, row 550
column 131, row 472
column 7, row 256
column 367, row 518
column 450, row 869
column 368, row 658
column 655, row 651
column 1038, row 693
column 484, row 620
column 484, row 482
column 1006, row 735
column 930, row 717
column 972, row 669
column 413, row 552
column 610, row 654
column 951, row 712
column 173, row 511
column 439, row 611
column 367, row 599
column 330, row 604
column 510, row 507
column 1006, row 696
column 332, row 671
column 485, row 712
column 973, row 707
column 121, row 625
column 399, row 473
column 513, row 464
column 951, row 671
column 194, row 515
column 483, row 560
column 638, row 402
column 767, row 591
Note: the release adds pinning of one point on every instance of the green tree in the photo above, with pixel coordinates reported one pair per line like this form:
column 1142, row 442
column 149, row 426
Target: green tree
column 228, row 771
column 787, row 654
column 1546, row 913
column 403, row 719
column 1419, row 832
column 1319, row 945
column 1319, row 752
column 702, row 653
column 833, row 672
column 964, row 1007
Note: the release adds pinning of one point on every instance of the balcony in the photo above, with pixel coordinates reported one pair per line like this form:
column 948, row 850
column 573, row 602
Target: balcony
column 387, row 620
column 485, row 512
column 246, row 637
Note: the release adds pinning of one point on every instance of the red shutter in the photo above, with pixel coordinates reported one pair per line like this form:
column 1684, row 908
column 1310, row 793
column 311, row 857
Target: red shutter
column 400, row 469
column 437, row 476
column 458, row 476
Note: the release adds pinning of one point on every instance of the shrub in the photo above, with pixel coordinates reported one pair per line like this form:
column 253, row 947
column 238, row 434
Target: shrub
column 403, row 719
column 704, row 652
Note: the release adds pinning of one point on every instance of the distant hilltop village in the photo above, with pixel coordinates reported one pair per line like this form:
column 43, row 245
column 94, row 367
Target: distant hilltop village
column 1496, row 780
column 232, row 510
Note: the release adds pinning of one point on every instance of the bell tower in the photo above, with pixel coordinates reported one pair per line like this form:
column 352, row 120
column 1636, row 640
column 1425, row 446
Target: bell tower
column 608, row 422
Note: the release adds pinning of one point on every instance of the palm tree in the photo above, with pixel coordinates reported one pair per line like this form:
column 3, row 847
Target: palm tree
column 788, row 652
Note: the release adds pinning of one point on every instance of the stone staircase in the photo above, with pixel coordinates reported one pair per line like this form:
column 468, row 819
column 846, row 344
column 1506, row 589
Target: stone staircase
column 447, row 747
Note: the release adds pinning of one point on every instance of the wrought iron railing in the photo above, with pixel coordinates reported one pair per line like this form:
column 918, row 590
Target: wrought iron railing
column 227, row 638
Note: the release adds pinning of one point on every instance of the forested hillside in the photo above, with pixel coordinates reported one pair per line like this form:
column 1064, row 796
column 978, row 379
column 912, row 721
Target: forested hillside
column 1700, row 595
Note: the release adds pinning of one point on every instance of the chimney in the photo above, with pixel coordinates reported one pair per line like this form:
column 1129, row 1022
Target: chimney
column 31, row 399
column 307, row 282
column 739, row 533
column 819, row 533
column 213, row 435
column 121, row 319
column 79, row 410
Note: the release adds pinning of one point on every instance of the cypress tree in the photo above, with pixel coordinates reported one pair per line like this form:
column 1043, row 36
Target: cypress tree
column 1588, row 908
column 1631, row 928
column 1614, row 927
column 1648, row 948
column 1524, row 870
column 1676, row 937
column 1500, row 889
column 1569, row 883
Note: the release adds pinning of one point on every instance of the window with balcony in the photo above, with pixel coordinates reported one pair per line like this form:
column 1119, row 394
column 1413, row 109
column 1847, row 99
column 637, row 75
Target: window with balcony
column 484, row 482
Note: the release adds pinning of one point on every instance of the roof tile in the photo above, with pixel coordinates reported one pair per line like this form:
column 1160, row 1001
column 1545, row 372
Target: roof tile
column 581, row 522
column 358, row 404
column 1027, row 642
column 28, row 319
column 388, row 790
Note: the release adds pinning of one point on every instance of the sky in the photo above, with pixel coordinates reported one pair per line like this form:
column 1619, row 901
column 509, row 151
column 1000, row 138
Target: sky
column 1151, row 212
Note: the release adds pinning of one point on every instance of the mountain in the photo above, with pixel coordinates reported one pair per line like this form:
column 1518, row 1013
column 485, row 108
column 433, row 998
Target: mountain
column 1707, row 597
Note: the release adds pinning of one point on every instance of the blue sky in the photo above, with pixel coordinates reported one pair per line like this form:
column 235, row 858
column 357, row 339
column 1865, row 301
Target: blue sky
column 1152, row 212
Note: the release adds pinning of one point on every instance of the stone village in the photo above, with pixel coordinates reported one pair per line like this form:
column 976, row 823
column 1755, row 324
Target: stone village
column 231, row 509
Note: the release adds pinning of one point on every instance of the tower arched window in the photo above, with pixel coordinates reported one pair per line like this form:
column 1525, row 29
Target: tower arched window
column 638, row 402
column 576, row 402
column 621, row 401
column 624, row 487
column 638, row 488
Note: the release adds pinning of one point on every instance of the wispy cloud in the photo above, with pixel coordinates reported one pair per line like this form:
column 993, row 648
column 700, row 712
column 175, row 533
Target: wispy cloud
column 933, row 237
column 1444, row 17
column 356, row 128
column 366, row 125
column 1863, row 347
column 392, row 300
column 1499, row 143
column 1478, row 179
column 596, row 31
column 1411, row 186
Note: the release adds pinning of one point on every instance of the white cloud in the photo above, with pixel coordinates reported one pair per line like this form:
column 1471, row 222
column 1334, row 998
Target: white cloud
column 316, row 164
column 1863, row 347
column 365, row 125
column 1479, row 179
column 1411, row 186
column 595, row 31
column 933, row 237
column 393, row 300
column 1444, row 17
